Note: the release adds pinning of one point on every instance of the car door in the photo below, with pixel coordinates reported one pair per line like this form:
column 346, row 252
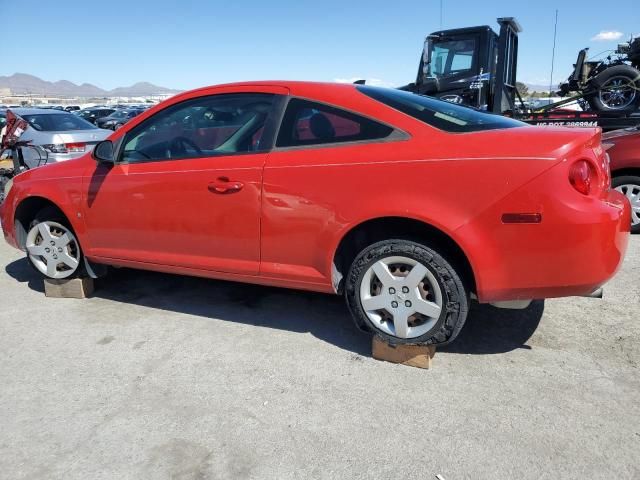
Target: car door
column 307, row 181
column 186, row 188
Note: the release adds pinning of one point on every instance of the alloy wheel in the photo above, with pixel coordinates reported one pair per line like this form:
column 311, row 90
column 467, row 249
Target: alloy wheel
column 618, row 93
column 401, row 297
column 632, row 192
column 53, row 249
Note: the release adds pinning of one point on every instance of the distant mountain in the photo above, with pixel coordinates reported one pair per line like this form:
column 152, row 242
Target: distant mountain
column 140, row 88
column 22, row 83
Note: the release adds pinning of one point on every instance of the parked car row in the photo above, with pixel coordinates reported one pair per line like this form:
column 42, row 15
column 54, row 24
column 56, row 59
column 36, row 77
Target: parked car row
column 111, row 117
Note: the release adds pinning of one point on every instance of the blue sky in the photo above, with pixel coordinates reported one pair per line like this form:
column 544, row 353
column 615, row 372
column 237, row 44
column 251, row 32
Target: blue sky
column 185, row 44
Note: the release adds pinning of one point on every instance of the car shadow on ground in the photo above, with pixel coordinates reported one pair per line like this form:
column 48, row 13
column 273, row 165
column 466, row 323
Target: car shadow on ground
column 488, row 330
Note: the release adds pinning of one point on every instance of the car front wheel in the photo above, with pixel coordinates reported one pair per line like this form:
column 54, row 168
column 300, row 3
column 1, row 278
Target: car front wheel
column 629, row 186
column 406, row 292
column 52, row 247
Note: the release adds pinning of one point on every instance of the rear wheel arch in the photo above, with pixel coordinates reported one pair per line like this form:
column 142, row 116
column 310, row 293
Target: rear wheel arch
column 374, row 230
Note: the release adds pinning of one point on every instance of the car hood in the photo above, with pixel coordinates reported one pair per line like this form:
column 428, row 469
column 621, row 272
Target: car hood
column 70, row 168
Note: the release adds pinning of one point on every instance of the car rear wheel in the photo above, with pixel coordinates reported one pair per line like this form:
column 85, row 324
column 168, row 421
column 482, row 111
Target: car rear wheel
column 406, row 292
column 629, row 186
column 52, row 247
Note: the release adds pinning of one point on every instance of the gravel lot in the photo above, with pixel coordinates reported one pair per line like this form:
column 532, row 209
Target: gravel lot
column 159, row 376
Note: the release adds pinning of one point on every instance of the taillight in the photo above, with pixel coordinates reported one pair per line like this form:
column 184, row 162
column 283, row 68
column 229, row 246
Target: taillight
column 65, row 147
column 583, row 177
column 75, row 147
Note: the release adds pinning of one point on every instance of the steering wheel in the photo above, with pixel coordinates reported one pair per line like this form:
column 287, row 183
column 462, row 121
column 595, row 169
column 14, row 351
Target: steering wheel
column 180, row 145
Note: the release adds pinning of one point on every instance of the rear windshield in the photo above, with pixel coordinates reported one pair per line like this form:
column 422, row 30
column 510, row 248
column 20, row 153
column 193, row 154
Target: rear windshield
column 438, row 113
column 57, row 122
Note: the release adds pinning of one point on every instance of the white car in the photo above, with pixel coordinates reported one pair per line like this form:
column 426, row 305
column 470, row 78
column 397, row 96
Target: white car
column 63, row 136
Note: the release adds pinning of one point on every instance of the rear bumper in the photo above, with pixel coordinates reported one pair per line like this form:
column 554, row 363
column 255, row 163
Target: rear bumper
column 579, row 245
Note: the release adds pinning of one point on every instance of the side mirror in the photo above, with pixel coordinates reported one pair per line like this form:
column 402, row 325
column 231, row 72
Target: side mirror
column 104, row 153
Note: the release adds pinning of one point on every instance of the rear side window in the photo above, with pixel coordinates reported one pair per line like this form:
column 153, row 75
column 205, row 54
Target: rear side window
column 57, row 122
column 311, row 123
column 438, row 113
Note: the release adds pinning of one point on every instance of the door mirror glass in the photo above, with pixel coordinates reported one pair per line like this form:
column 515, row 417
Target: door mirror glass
column 103, row 152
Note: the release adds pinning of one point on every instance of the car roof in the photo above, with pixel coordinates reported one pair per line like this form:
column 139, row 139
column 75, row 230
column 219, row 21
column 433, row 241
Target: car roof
column 295, row 86
column 38, row 111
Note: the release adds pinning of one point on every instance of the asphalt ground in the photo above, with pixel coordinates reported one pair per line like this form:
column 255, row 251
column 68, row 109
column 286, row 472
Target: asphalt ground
column 158, row 376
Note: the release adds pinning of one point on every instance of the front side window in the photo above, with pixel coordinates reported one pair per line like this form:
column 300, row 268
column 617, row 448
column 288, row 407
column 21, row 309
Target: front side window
column 311, row 123
column 203, row 127
column 438, row 113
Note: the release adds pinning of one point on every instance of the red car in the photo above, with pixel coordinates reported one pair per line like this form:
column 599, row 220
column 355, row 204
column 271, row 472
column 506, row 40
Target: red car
column 407, row 205
column 624, row 150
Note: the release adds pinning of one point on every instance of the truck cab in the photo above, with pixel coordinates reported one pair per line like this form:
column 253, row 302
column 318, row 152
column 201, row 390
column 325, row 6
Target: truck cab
column 462, row 65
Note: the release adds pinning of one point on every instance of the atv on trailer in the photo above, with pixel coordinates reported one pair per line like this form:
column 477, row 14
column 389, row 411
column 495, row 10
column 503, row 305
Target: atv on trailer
column 610, row 85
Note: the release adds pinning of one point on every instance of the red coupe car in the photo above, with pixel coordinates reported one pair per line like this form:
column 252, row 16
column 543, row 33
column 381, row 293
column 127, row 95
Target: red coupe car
column 624, row 150
column 407, row 205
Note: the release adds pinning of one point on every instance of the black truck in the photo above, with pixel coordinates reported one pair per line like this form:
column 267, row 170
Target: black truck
column 477, row 67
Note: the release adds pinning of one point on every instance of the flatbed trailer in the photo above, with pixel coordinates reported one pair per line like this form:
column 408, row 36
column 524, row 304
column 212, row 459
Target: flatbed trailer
column 570, row 118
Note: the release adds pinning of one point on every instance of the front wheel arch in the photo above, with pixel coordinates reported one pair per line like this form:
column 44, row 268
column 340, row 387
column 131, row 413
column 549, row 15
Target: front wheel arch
column 26, row 212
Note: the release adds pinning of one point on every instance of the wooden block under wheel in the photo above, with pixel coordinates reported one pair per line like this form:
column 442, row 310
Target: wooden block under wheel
column 419, row 356
column 68, row 288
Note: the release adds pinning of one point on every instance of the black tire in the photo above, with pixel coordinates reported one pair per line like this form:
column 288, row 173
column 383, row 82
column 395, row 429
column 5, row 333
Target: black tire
column 52, row 214
column 455, row 298
column 600, row 81
column 628, row 180
column 3, row 182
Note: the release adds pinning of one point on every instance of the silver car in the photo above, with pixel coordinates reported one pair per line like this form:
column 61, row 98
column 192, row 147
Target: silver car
column 63, row 135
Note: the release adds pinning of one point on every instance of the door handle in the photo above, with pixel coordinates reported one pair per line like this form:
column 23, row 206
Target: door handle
column 223, row 185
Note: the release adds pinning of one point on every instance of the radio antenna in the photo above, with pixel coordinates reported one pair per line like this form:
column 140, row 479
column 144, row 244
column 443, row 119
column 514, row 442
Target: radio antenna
column 553, row 53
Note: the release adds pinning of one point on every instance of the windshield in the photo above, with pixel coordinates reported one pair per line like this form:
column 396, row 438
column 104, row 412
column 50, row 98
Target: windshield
column 452, row 56
column 438, row 113
column 56, row 122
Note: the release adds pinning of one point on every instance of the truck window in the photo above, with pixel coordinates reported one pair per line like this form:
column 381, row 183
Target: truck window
column 450, row 57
